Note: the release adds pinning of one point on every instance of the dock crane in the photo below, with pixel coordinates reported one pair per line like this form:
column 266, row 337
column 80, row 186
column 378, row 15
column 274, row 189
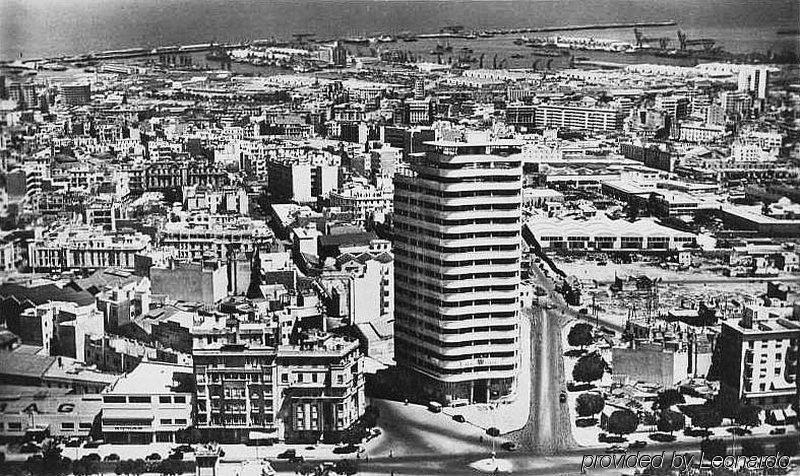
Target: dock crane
column 641, row 40
column 706, row 43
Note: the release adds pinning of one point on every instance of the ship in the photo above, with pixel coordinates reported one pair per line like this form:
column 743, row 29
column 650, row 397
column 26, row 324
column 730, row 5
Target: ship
column 547, row 53
column 218, row 53
column 356, row 40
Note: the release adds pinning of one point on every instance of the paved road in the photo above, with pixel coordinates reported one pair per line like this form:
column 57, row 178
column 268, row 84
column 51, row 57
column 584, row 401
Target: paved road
column 548, row 429
column 524, row 463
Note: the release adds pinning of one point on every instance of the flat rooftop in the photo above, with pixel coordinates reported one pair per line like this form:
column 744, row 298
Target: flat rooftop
column 152, row 378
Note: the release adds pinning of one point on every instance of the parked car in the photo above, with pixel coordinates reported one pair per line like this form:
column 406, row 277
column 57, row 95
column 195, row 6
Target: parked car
column 91, row 457
column 778, row 431
column 493, row 431
column 93, row 444
column 637, row 445
column 615, row 449
column 176, row 455
column 111, row 457
column 29, row 447
column 435, row 407
column 346, row 449
column 153, row 457
column 459, row 418
column 184, row 448
column 288, row 454
column 509, row 446
column 73, row 443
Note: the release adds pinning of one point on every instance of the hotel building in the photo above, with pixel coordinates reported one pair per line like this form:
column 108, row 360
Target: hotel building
column 457, row 264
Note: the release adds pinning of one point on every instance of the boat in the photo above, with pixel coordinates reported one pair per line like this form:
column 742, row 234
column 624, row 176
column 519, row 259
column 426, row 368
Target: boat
column 53, row 67
column 356, row 40
column 547, row 54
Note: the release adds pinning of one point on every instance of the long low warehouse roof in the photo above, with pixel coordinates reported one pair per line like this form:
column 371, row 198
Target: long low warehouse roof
column 601, row 226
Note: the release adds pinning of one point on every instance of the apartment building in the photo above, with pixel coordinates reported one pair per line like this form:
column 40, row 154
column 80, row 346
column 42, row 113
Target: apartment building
column 199, row 234
column 579, row 117
column 72, row 246
column 761, row 360
column 457, row 264
column 253, row 383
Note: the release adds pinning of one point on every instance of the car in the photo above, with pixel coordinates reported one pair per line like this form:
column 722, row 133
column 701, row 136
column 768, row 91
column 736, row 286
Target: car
column 29, row 447
column 346, row 449
column 296, row 459
column 493, row 431
column 176, row 456
column 376, row 432
column 615, row 449
column 509, row 446
column 93, row 444
column 153, row 457
column 91, row 457
column 778, row 431
column 73, row 443
column 562, row 397
column 459, row 418
column 637, row 445
column 288, row 454
column 112, row 457
column 184, row 448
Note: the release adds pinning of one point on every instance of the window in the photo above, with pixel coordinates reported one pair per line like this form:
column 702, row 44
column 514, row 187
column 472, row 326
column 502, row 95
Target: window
column 314, row 378
column 164, row 399
column 284, row 378
column 166, row 421
column 85, row 426
column 179, row 399
column 67, row 425
column 113, row 399
column 300, row 377
column 14, row 426
column 139, row 399
column 180, row 421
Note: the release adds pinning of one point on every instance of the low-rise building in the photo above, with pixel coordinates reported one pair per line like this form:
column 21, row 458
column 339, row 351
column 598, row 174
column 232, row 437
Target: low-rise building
column 600, row 233
column 151, row 404
column 54, row 414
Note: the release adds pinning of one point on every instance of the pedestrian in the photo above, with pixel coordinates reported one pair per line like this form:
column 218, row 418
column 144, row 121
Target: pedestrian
column 391, row 455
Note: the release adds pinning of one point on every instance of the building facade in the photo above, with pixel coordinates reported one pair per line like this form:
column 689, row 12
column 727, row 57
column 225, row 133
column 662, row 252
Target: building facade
column 457, row 264
column 253, row 384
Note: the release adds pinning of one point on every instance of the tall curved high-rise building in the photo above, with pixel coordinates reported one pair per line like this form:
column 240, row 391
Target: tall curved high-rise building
column 457, row 268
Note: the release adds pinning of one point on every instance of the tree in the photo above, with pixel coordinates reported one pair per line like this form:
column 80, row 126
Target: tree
column 124, row 467
column 727, row 405
column 168, row 467
column 589, row 404
column 706, row 417
column 670, row 421
column 712, row 448
column 623, row 422
column 138, row 467
column 306, row 469
column 580, row 335
column 346, row 466
column 667, row 398
column 748, row 415
column 589, row 368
